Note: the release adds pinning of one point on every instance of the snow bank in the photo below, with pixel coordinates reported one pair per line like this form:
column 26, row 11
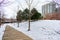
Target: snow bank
column 2, row 29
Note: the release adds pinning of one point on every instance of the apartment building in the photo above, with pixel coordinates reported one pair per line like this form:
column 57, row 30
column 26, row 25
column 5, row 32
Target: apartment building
column 48, row 8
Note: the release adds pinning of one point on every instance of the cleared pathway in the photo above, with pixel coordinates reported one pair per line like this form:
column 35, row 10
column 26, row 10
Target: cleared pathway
column 12, row 34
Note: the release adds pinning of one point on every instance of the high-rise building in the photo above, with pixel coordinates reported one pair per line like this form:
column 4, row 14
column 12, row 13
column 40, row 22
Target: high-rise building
column 48, row 8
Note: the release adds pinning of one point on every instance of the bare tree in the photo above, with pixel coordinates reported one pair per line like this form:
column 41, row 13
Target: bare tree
column 0, row 18
column 2, row 4
column 29, row 4
column 29, row 15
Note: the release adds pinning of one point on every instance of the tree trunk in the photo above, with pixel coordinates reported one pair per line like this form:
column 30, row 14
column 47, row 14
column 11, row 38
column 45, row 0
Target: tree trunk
column 18, row 24
column 29, row 16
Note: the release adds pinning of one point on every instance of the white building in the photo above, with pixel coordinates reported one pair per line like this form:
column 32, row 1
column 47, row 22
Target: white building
column 48, row 8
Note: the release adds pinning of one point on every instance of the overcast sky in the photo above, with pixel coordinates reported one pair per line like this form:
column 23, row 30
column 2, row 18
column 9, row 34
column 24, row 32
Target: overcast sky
column 12, row 9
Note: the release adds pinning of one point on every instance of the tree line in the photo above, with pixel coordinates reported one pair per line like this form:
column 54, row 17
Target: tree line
column 23, row 15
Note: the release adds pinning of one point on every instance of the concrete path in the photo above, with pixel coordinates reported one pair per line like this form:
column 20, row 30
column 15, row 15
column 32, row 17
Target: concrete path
column 12, row 34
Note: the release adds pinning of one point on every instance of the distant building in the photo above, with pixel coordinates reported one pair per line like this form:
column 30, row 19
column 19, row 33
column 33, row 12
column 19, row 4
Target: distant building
column 48, row 8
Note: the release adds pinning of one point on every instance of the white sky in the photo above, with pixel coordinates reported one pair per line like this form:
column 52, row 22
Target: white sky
column 12, row 9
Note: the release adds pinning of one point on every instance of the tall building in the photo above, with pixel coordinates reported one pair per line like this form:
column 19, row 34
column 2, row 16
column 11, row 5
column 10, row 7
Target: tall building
column 48, row 8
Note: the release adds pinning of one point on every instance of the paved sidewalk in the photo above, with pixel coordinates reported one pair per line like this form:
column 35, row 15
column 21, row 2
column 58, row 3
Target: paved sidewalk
column 12, row 34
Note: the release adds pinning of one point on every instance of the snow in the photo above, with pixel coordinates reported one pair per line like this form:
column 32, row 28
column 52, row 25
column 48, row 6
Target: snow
column 2, row 29
column 40, row 30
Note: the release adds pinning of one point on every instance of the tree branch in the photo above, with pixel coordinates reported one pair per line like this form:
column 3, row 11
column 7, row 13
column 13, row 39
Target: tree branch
column 1, row 2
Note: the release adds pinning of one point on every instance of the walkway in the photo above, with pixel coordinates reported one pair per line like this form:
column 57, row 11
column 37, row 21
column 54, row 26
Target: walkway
column 12, row 34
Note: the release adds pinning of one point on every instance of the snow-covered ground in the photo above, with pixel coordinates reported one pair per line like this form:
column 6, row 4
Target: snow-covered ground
column 2, row 29
column 40, row 30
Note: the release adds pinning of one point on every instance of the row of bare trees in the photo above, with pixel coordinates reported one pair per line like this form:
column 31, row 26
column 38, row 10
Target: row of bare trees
column 3, row 3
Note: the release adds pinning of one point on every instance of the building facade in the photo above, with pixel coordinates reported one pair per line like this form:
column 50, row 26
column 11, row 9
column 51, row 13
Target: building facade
column 58, row 10
column 48, row 8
